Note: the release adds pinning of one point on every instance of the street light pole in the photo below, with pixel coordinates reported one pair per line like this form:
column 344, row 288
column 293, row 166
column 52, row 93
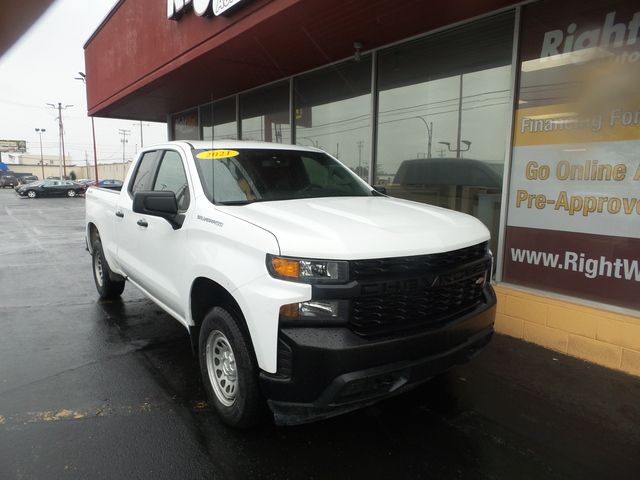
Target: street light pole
column 40, row 131
column 95, row 153
column 458, row 150
column 83, row 79
column 429, row 126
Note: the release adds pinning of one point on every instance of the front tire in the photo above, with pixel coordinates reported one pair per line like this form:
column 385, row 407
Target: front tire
column 106, row 287
column 229, row 370
column 32, row 194
column 71, row 193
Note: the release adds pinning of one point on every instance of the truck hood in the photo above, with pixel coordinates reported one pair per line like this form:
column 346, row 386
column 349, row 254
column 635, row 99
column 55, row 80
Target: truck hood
column 350, row 228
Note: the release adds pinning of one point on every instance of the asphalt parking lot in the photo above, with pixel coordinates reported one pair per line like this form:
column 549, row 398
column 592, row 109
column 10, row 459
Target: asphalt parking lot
column 111, row 390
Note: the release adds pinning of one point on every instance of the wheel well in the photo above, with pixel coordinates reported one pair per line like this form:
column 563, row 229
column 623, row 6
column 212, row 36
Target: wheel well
column 206, row 294
column 93, row 235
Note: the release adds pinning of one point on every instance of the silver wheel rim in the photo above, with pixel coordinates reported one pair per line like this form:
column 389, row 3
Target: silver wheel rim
column 97, row 267
column 71, row 193
column 221, row 367
column 31, row 194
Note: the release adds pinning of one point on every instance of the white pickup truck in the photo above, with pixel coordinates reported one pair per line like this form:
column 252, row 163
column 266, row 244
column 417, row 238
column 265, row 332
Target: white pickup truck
column 302, row 287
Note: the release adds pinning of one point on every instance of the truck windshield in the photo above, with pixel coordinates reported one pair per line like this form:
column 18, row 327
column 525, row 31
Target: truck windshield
column 238, row 177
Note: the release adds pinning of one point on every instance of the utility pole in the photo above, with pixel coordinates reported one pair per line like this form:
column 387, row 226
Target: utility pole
column 40, row 131
column 124, row 141
column 141, row 125
column 63, row 164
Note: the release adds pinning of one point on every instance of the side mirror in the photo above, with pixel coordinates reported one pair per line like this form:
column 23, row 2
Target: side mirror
column 159, row 204
column 380, row 189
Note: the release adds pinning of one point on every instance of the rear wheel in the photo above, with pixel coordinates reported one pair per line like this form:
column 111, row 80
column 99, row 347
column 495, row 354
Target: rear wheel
column 229, row 370
column 106, row 287
column 32, row 194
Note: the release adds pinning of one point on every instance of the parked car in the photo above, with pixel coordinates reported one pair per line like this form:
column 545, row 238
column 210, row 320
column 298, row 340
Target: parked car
column 298, row 282
column 51, row 188
column 24, row 180
column 8, row 181
column 110, row 183
column 86, row 182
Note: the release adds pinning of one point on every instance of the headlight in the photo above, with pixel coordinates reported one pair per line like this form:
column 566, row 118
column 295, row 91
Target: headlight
column 307, row 270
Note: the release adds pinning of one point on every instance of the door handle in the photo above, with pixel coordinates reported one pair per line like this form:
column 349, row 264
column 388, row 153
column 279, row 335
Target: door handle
column 119, row 214
column 142, row 222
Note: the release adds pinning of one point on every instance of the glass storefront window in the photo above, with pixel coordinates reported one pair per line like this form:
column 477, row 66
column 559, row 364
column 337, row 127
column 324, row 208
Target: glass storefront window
column 265, row 114
column 443, row 115
column 218, row 120
column 185, row 126
column 573, row 224
column 333, row 112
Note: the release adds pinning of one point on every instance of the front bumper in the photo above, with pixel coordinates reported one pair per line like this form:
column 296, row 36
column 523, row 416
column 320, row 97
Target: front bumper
column 324, row 372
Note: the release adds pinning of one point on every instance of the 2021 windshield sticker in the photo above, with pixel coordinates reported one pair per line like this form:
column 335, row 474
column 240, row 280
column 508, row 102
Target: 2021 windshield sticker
column 212, row 154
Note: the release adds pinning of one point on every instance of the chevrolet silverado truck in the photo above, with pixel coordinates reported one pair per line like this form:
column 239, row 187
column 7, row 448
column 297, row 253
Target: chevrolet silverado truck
column 303, row 288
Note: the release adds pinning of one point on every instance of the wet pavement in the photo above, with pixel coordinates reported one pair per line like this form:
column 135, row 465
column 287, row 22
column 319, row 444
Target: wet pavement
column 111, row 390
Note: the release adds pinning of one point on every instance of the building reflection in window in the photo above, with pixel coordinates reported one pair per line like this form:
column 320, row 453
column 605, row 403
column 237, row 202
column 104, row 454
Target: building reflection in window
column 218, row 120
column 333, row 112
column 265, row 114
column 185, row 125
column 443, row 117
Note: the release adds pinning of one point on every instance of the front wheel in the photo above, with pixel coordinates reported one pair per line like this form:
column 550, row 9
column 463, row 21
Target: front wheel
column 32, row 194
column 106, row 287
column 71, row 193
column 229, row 370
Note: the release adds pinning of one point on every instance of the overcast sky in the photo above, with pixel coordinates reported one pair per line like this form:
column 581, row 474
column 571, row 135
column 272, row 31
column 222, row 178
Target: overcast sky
column 40, row 69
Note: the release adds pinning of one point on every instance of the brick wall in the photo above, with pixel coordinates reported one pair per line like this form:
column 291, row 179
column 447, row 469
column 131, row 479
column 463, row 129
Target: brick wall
column 596, row 335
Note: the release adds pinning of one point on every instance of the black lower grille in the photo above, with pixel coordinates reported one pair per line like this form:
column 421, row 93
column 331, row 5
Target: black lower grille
column 422, row 302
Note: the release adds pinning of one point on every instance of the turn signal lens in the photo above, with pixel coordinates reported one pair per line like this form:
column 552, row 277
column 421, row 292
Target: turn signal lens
column 286, row 267
column 291, row 310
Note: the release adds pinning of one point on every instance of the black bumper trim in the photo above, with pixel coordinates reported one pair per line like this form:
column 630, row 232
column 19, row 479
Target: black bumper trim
column 397, row 378
column 334, row 370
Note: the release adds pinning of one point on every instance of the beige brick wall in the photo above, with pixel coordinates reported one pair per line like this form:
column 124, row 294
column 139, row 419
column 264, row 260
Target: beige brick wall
column 596, row 335
column 105, row 170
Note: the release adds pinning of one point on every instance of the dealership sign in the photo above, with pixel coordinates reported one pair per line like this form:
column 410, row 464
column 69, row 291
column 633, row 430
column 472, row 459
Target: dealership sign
column 202, row 8
column 19, row 146
column 573, row 222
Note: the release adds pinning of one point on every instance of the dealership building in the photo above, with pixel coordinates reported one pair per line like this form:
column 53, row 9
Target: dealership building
column 523, row 114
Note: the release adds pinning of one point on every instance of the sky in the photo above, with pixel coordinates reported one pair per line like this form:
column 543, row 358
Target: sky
column 40, row 68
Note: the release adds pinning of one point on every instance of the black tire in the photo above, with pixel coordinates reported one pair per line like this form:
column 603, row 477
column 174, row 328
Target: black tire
column 32, row 194
column 246, row 408
column 106, row 287
column 71, row 193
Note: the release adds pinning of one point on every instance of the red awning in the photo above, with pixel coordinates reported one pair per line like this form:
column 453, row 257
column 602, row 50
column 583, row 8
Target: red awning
column 141, row 65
